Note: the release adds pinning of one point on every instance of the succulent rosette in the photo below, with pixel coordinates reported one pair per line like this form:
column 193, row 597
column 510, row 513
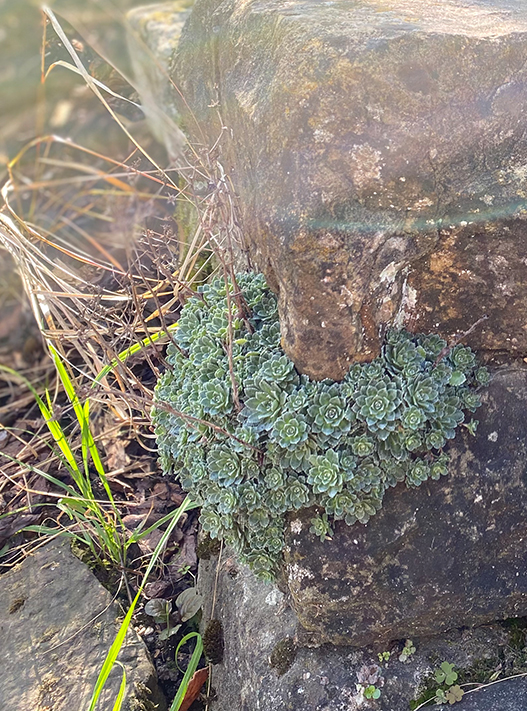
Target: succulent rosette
column 289, row 431
column 325, row 475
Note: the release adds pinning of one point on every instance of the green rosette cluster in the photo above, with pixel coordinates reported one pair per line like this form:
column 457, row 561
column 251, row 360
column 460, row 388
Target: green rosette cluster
column 282, row 442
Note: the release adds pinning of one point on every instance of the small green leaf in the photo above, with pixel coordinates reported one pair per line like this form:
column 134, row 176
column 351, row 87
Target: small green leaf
column 446, row 674
column 168, row 632
column 440, row 697
column 158, row 608
column 188, row 603
column 454, row 694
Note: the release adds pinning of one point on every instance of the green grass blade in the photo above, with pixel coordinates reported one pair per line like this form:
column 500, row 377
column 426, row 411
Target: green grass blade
column 120, row 696
column 114, row 650
column 82, row 413
column 55, row 429
column 138, row 534
column 87, row 438
column 189, row 673
column 135, row 348
column 46, row 530
column 36, row 470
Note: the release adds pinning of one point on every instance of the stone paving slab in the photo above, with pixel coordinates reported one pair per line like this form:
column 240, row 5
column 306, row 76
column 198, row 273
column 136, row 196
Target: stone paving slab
column 57, row 623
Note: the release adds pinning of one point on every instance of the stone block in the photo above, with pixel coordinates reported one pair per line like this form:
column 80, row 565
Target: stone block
column 446, row 554
column 257, row 620
column 379, row 154
column 57, row 623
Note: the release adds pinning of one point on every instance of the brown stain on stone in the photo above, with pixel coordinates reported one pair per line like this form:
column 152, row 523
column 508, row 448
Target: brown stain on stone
column 341, row 139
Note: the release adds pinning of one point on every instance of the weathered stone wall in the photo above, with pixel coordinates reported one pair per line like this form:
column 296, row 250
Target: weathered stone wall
column 378, row 150
column 379, row 153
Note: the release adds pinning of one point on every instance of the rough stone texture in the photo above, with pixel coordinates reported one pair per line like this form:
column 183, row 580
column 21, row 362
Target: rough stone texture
column 256, row 617
column 379, row 153
column 450, row 553
column 507, row 695
column 57, row 623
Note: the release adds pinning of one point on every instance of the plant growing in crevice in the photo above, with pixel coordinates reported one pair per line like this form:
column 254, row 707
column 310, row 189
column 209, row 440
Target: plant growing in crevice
column 369, row 680
column 281, row 441
column 449, row 692
column 407, row 651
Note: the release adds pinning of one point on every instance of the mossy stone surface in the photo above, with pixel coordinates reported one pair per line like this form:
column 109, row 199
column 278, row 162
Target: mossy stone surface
column 379, row 153
column 257, row 619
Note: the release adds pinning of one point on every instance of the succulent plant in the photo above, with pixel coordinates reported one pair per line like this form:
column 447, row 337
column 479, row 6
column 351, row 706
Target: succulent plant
column 295, row 442
column 250, row 497
column 278, row 369
column 225, row 466
column 325, row 475
column 394, row 446
column 441, row 373
column 289, row 431
column 377, row 405
column 412, row 440
column 258, row 518
column 296, row 459
column 274, row 478
column 423, row 393
column 394, row 471
column 228, row 501
column 297, row 401
column 402, row 355
column 212, row 523
column 463, row 358
column 216, row 397
column 205, row 349
column 482, row 376
column 413, row 417
column 418, row 472
column 297, row 493
column 341, row 504
column 362, row 446
column 330, row 412
column 435, row 439
column 439, row 468
column 368, row 475
column 363, row 509
column 432, row 345
column 278, row 501
column 457, row 378
column 263, row 404
column 348, row 463
column 321, row 527
column 470, row 400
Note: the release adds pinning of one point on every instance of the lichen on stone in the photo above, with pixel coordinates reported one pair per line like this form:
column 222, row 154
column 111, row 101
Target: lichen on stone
column 251, row 439
column 283, row 655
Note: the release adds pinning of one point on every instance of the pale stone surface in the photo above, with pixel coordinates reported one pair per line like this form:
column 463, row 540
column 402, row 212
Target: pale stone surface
column 379, row 153
column 57, row 624
column 256, row 617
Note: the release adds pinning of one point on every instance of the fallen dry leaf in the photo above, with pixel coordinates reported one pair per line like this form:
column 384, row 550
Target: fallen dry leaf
column 194, row 687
